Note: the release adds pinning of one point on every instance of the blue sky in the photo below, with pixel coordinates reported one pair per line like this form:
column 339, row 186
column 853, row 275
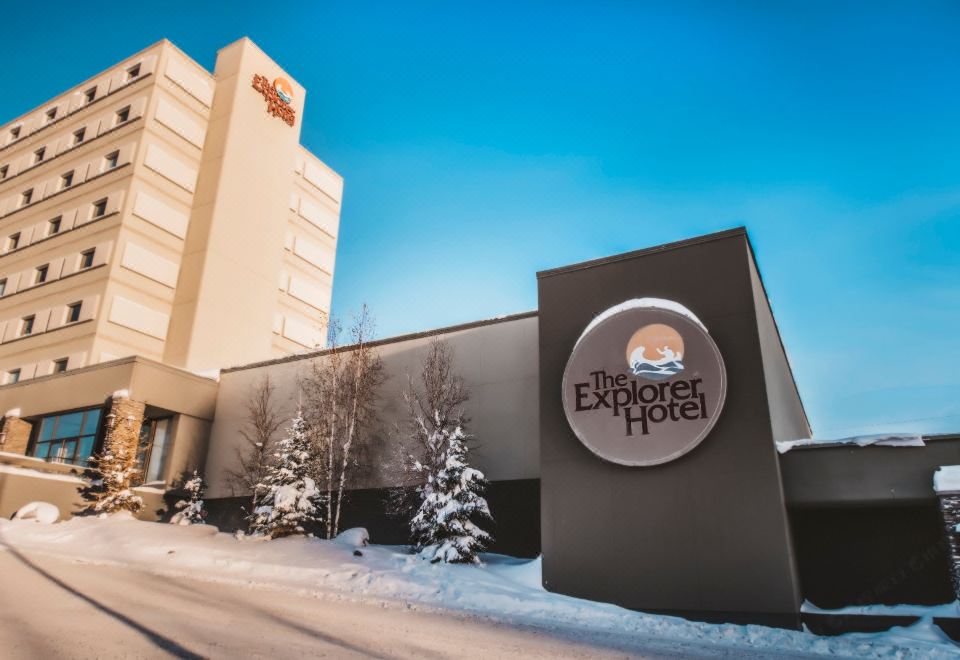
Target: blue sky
column 481, row 142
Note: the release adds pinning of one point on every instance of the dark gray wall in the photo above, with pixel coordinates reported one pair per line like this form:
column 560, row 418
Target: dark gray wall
column 864, row 555
column 706, row 535
column 515, row 506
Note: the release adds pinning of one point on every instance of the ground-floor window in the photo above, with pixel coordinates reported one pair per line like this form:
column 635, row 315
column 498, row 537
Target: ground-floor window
column 152, row 450
column 68, row 437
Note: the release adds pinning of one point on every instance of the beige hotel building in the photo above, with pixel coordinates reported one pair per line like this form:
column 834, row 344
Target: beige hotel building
column 158, row 222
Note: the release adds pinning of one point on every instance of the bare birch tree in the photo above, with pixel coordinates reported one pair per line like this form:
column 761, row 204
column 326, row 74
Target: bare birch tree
column 437, row 400
column 255, row 454
column 323, row 392
column 342, row 390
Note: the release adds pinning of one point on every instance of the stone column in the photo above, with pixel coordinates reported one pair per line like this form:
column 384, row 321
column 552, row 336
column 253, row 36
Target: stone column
column 123, row 421
column 14, row 433
column 946, row 482
column 114, row 467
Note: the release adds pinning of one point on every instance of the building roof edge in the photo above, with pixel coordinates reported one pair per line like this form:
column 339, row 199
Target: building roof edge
column 306, row 355
column 592, row 263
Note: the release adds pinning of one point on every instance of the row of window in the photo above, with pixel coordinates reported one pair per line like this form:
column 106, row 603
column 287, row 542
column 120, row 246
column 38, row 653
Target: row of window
column 98, row 210
column 68, row 437
column 27, row 323
column 54, row 226
column 59, row 367
column 89, row 96
column 40, row 273
column 66, row 179
column 120, row 117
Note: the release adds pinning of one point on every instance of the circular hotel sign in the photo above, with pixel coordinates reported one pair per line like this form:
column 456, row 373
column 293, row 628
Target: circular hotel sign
column 645, row 383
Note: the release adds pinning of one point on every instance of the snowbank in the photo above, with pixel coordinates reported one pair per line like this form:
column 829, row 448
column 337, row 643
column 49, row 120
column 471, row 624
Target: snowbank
column 41, row 512
column 951, row 610
column 504, row 588
column 357, row 537
column 882, row 439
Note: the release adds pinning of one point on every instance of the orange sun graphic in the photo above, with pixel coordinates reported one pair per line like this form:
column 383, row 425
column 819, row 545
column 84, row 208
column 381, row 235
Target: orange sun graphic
column 657, row 339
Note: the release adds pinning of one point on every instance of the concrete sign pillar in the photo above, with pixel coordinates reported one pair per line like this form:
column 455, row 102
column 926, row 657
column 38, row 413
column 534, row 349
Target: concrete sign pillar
column 660, row 480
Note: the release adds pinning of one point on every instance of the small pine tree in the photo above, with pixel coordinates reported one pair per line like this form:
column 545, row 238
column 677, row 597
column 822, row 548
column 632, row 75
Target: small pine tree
column 109, row 477
column 451, row 501
column 288, row 499
column 190, row 511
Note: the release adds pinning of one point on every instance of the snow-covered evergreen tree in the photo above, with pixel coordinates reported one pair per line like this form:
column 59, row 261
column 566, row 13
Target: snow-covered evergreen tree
column 288, row 499
column 109, row 477
column 190, row 511
column 451, row 499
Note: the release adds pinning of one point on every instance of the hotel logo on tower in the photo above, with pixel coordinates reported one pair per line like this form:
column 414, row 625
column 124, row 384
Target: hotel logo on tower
column 278, row 96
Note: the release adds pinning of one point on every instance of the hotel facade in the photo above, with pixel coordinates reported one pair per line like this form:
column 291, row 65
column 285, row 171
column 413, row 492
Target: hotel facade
column 156, row 219
column 170, row 245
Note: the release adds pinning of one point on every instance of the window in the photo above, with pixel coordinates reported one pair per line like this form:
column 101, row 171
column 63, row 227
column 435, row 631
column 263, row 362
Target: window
column 3, row 171
column 40, row 275
column 67, row 437
column 26, row 325
column 152, row 448
column 3, row 286
column 13, row 376
column 73, row 312
column 90, row 95
column 99, row 207
column 78, row 135
column 123, row 114
column 133, row 72
column 39, row 154
column 13, row 242
column 53, row 227
column 26, row 197
column 86, row 258
column 51, row 114
column 59, row 366
column 66, row 180
column 110, row 160
column 14, row 132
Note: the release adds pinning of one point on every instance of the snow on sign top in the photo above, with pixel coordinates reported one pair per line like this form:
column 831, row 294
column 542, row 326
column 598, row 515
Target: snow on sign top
column 644, row 384
column 880, row 439
column 641, row 303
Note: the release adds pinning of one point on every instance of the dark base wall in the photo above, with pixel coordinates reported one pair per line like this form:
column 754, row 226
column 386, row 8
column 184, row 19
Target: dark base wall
column 515, row 506
column 845, row 555
column 863, row 555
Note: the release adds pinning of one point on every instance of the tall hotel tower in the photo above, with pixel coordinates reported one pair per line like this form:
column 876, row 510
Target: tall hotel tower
column 157, row 210
column 157, row 223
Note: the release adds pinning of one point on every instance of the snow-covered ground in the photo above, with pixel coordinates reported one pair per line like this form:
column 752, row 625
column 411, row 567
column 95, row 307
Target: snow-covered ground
column 503, row 588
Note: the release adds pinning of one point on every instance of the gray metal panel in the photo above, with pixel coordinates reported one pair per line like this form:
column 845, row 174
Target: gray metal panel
column 787, row 417
column 706, row 534
column 849, row 475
